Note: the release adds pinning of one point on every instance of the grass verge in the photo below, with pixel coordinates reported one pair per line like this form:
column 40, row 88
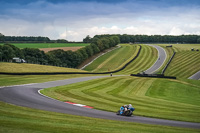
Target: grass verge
column 114, row 59
column 25, row 67
column 145, row 60
column 161, row 98
column 184, row 64
column 7, row 80
column 22, row 120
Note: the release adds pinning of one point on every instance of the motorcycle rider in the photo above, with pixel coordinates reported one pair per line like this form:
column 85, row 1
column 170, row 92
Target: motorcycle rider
column 124, row 108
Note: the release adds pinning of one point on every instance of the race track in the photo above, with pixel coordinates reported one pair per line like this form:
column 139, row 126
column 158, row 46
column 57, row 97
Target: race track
column 196, row 76
column 161, row 59
column 29, row 96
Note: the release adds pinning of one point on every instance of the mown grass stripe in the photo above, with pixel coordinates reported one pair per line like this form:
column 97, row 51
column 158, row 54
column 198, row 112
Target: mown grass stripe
column 112, row 92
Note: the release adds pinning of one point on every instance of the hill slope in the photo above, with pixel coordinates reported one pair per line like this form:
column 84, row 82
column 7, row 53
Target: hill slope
column 24, row 67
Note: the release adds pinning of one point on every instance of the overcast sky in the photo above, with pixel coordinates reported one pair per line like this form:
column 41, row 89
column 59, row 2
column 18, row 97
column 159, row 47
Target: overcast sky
column 74, row 19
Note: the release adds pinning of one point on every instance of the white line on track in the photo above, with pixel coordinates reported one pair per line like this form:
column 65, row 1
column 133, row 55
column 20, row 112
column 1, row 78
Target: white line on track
column 18, row 85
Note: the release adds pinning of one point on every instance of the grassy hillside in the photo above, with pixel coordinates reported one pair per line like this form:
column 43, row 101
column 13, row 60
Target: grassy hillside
column 114, row 59
column 7, row 80
column 145, row 60
column 25, row 67
column 186, row 62
column 169, row 51
column 117, row 58
column 162, row 98
column 47, row 45
column 25, row 120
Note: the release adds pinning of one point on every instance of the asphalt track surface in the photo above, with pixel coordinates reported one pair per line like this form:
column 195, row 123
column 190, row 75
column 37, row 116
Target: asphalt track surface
column 196, row 76
column 29, row 96
column 161, row 59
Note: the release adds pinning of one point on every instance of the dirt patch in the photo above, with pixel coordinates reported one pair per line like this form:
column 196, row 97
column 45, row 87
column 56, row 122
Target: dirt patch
column 64, row 48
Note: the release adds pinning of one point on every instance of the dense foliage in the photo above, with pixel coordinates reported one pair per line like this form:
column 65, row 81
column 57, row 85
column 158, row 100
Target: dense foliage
column 155, row 38
column 58, row 57
column 28, row 39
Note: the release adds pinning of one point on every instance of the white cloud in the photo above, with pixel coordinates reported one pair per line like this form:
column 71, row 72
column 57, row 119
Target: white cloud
column 73, row 21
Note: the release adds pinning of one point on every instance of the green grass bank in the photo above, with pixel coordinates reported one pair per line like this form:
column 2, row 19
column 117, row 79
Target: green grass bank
column 160, row 98
column 15, row 119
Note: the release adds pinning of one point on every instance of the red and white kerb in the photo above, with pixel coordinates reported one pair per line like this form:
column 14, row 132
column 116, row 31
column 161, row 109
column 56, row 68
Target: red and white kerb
column 80, row 105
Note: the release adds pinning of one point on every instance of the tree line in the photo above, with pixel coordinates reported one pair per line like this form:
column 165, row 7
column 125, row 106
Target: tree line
column 28, row 39
column 58, row 57
column 151, row 38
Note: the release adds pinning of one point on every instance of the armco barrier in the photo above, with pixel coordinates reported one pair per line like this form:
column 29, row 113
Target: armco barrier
column 163, row 71
column 153, row 76
column 55, row 73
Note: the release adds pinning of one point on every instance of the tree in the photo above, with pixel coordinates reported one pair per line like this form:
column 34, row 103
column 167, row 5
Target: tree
column 1, row 37
column 105, row 41
column 8, row 53
column 100, row 45
column 17, row 51
column 87, row 39
column 84, row 53
column 89, row 50
column 198, row 40
column 95, row 48
column 116, row 39
column 33, row 55
column 61, row 41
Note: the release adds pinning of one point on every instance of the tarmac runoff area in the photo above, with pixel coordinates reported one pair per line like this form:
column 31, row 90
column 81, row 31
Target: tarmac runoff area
column 29, row 96
column 196, row 76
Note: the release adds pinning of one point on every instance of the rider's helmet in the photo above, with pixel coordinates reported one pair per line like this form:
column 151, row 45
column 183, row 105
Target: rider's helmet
column 130, row 106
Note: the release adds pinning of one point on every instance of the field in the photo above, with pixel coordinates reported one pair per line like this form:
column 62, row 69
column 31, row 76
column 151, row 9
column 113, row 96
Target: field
column 22, row 120
column 48, row 45
column 169, row 52
column 63, row 48
column 145, row 60
column 186, row 62
column 25, row 67
column 182, row 47
column 7, row 80
column 117, row 58
column 161, row 98
column 114, row 59
column 152, row 97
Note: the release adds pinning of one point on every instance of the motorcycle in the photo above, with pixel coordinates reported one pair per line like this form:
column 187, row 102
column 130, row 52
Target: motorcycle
column 127, row 112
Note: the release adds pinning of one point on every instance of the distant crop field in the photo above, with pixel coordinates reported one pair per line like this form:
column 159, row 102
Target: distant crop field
column 48, row 45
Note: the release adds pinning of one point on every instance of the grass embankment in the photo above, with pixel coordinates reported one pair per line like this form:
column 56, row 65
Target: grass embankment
column 47, row 45
column 161, row 98
column 119, row 57
column 22, row 120
column 114, row 60
column 145, row 60
column 25, row 67
column 7, row 80
column 169, row 52
column 186, row 62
